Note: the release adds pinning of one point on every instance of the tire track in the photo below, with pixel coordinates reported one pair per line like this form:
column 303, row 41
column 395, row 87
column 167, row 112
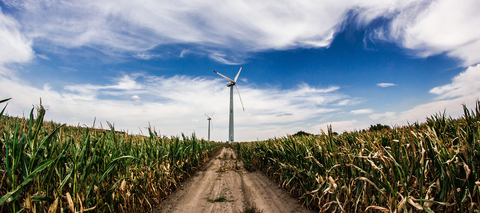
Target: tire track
column 225, row 186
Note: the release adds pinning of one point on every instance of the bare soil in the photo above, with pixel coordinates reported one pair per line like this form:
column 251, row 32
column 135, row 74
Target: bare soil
column 223, row 185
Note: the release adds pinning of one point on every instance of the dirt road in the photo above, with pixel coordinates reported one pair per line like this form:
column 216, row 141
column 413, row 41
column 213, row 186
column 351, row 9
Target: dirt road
column 225, row 186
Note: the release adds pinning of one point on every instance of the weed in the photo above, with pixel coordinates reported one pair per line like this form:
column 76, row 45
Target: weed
column 219, row 199
column 251, row 209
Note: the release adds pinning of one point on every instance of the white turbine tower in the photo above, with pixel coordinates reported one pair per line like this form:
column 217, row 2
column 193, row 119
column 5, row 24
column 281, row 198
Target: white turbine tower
column 230, row 84
column 209, row 118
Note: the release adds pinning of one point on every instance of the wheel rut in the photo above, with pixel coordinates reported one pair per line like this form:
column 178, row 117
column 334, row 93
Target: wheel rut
column 225, row 186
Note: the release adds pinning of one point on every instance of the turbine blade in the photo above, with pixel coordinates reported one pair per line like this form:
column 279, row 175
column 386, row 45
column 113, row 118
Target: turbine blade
column 207, row 116
column 240, row 97
column 211, row 122
column 212, row 113
column 236, row 77
column 224, row 77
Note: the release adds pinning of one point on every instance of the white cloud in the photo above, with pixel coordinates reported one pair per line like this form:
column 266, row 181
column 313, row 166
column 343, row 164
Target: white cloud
column 435, row 27
column 44, row 57
column 349, row 102
column 131, row 26
column 184, row 52
column 127, row 83
column 170, row 104
column 284, row 114
column 222, row 58
column 386, row 84
column 361, row 111
column 464, row 84
column 145, row 56
column 14, row 47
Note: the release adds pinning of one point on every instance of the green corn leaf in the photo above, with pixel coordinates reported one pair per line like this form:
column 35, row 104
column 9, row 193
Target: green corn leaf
column 3, row 110
column 112, row 165
column 15, row 193
column 41, row 198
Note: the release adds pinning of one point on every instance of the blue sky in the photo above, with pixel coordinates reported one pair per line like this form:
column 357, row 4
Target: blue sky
column 306, row 64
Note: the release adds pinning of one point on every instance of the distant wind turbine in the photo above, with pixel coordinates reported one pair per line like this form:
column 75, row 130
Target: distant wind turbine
column 230, row 84
column 209, row 118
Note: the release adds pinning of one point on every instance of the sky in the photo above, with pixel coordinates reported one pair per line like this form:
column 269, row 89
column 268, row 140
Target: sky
column 306, row 64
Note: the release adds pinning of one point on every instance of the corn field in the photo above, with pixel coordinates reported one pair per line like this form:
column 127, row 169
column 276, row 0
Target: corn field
column 429, row 167
column 48, row 167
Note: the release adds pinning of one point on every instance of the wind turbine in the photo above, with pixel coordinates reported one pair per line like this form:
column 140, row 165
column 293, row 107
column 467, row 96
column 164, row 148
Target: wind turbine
column 209, row 118
column 230, row 84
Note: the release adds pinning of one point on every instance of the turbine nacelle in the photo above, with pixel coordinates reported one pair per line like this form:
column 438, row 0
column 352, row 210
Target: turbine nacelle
column 229, row 84
column 209, row 117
